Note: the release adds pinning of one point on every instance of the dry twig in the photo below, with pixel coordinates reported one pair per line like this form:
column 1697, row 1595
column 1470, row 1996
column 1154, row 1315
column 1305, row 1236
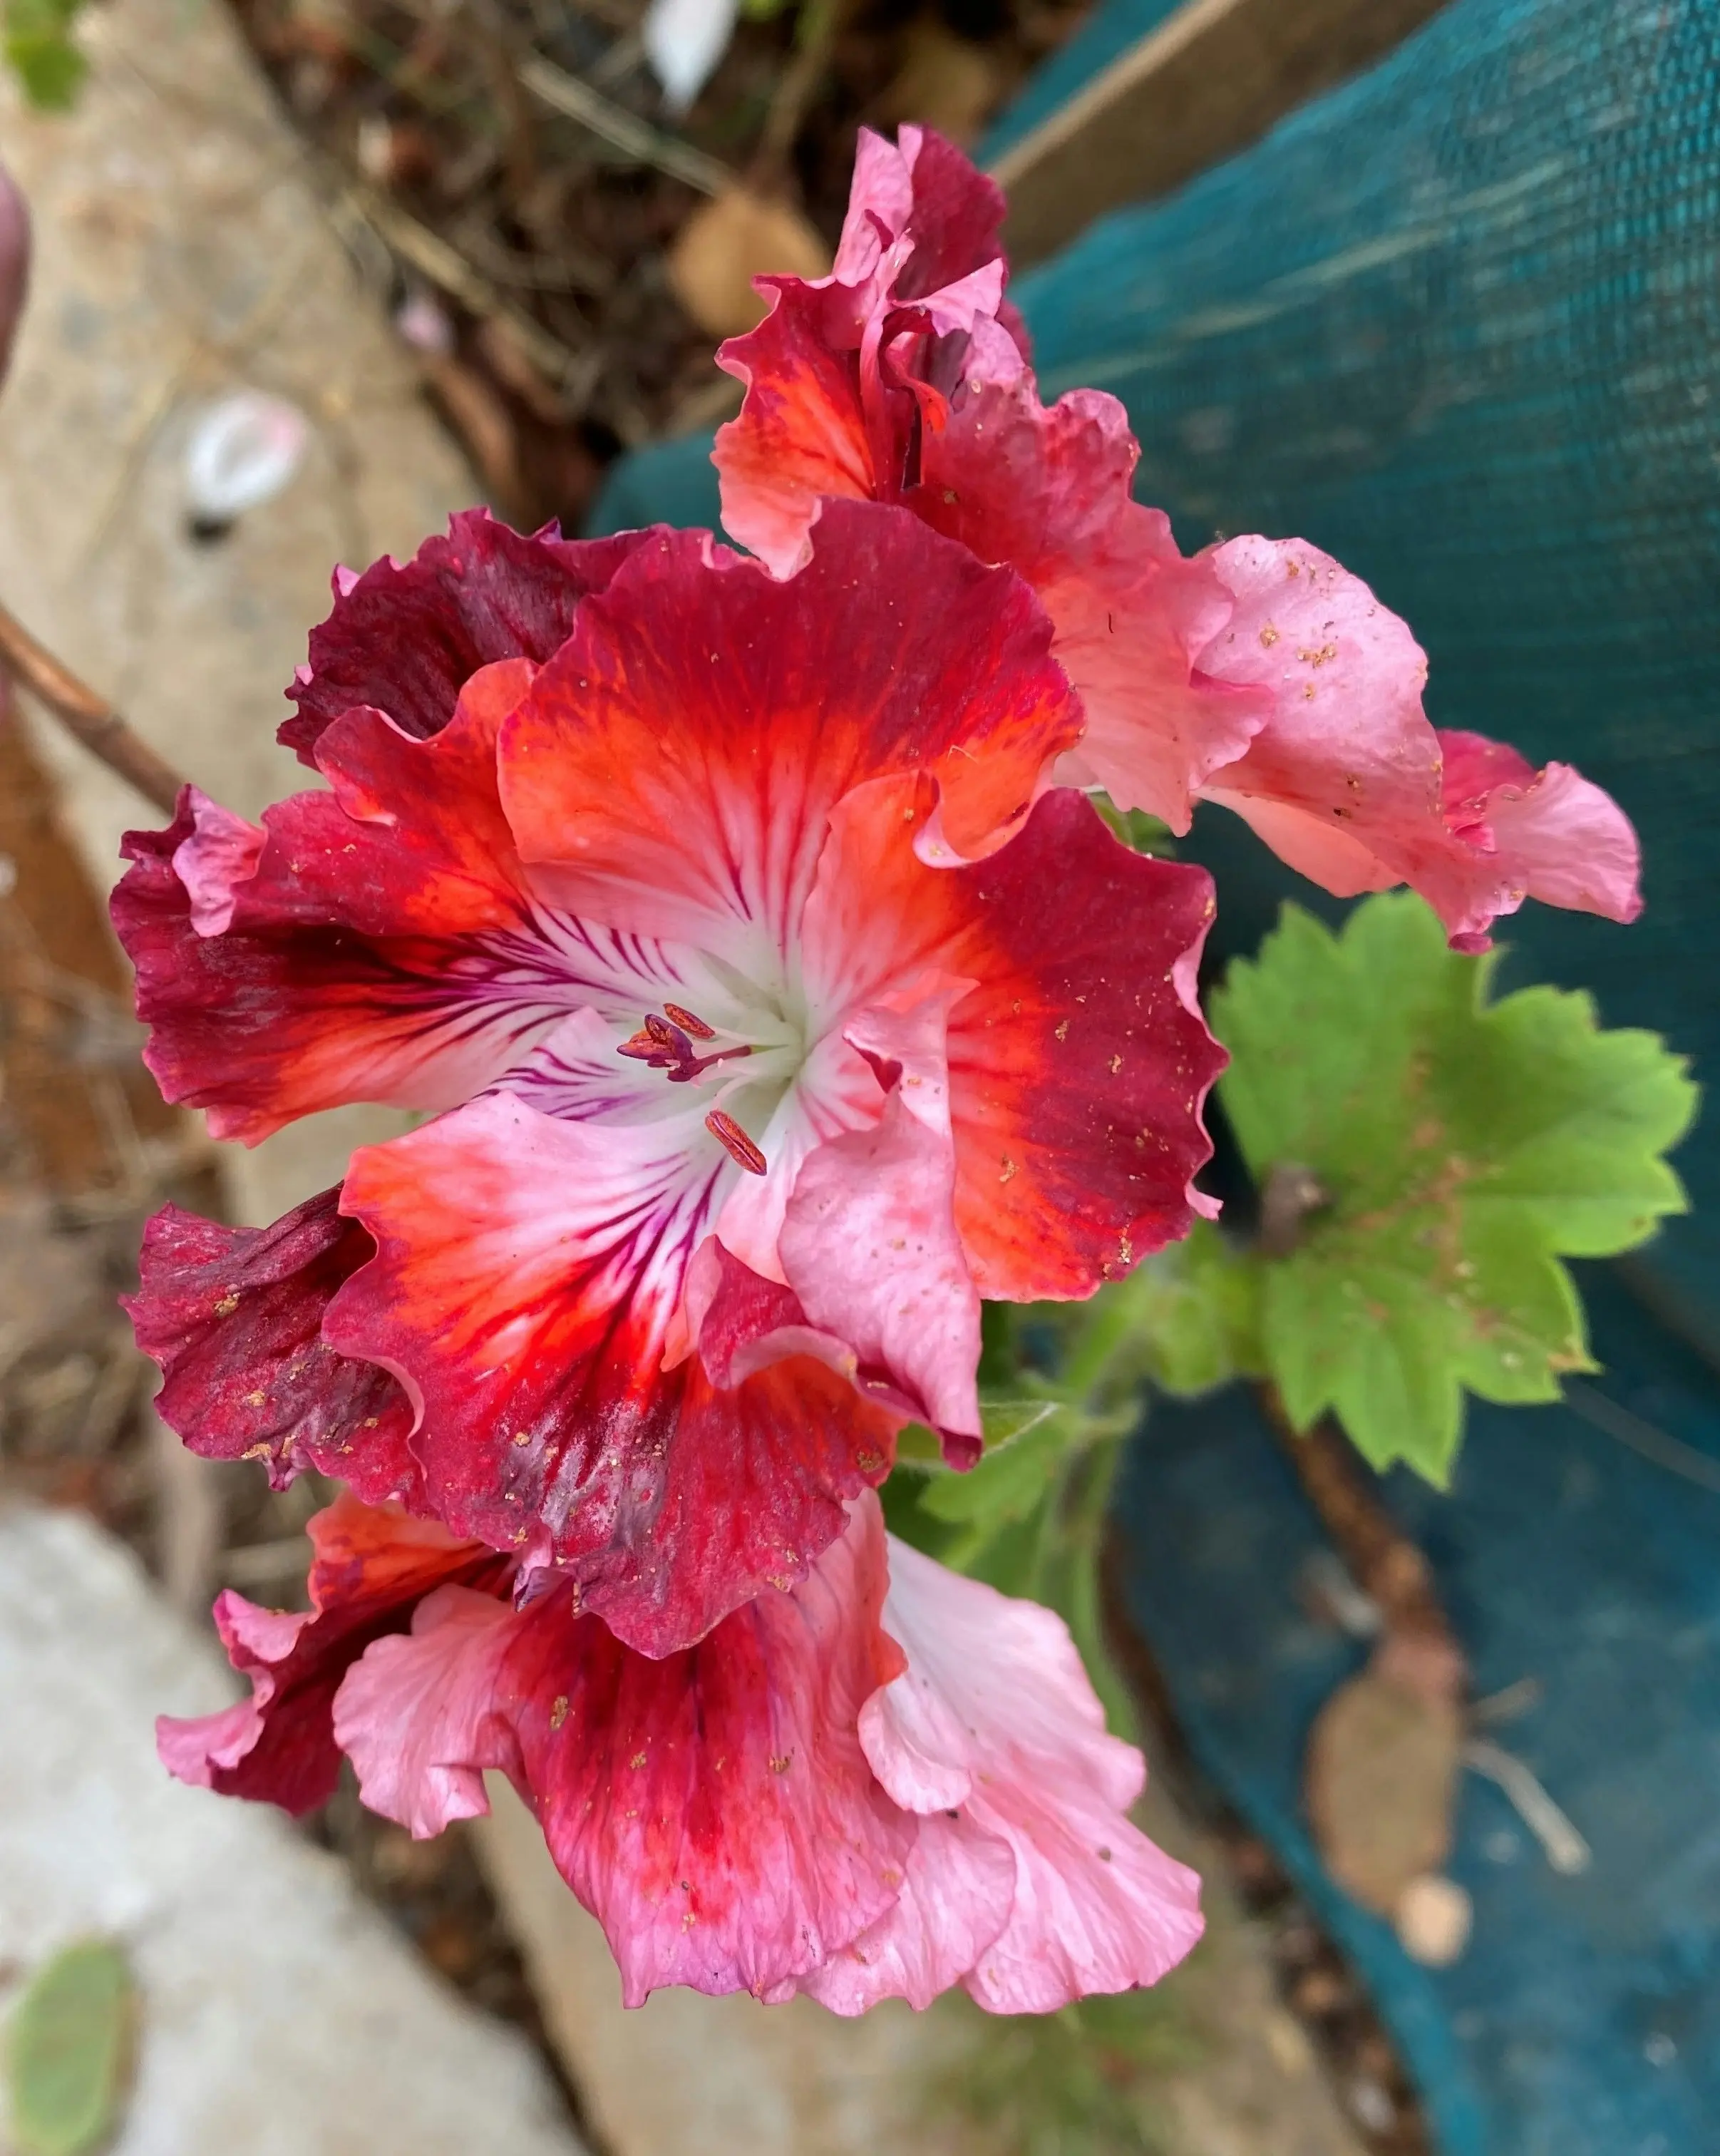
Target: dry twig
column 91, row 719
column 614, row 124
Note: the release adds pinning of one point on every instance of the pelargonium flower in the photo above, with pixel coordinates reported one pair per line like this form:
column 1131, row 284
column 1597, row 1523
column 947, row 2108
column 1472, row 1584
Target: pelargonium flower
column 879, row 1783
column 739, row 1105
column 1260, row 674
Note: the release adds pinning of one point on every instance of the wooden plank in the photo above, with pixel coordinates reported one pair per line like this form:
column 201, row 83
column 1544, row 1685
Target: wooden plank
column 1211, row 78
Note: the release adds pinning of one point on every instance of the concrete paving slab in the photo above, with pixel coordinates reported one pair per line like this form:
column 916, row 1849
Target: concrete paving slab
column 280, row 2015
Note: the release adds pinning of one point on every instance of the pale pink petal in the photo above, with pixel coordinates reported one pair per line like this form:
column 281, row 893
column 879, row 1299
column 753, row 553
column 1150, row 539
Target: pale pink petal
column 1557, row 836
column 1099, row 1908
column 1348, row 761
column 416, row 1715
column 869, row 1241
column 1349, row 782
column 955, row 1903
column 221, row 854
column 995, row 1689
column 880, row 202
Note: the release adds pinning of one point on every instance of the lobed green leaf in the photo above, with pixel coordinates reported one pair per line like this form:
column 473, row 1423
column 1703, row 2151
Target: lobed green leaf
column 1465, row 1146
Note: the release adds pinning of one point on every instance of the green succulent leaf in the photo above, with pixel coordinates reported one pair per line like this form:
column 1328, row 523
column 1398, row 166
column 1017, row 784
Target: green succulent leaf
column 68, row 2048
column 1463, row 1149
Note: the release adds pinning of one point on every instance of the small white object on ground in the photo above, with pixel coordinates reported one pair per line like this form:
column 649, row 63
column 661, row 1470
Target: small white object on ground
column 243, row 449
column 1434, row 1918
column 280, row 2016
column 683, row 41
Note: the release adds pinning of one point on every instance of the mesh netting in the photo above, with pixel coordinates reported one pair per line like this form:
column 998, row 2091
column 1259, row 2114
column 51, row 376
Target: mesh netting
column 1458, row 323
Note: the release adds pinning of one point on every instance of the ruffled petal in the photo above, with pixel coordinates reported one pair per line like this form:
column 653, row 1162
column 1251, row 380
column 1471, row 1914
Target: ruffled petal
column 1348, row 758
column 1048, row 493
column 373, row 942
column 713, row 1808
column 1079, row 1060
column 421, row 1718
column 825, row 415
column 233, row 1316
column 1349, row 782
column 869, row 1241
column 221, row 853
column 370, row 1567
column 995, row 1690
column 528, row 1279
column 801, row 437
column 955, row 1902
column 678, row 761
column 1554, row 834
column 406, row 636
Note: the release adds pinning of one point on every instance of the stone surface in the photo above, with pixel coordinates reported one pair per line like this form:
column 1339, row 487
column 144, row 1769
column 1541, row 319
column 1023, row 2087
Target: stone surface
column 181, row 253
column 280, row 2015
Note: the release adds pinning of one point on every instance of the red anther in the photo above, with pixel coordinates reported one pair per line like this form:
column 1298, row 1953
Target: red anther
column 735, row 1143
column 689, row 1022
column 645, row 1047
column 669, row 1037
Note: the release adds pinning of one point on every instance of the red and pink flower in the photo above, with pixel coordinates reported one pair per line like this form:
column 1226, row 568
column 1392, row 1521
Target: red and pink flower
column 1259, row 673
column 740, row 1105
column 883, row 1782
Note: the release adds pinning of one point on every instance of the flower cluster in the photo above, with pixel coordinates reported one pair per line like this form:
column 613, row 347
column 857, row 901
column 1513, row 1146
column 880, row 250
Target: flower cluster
column 772, row 993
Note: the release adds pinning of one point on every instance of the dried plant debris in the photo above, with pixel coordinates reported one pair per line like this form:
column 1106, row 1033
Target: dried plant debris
column 518, row 182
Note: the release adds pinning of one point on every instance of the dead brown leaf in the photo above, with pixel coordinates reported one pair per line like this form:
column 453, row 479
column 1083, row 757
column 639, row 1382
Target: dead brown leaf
column 943, row 82
column 1381, row 1776
column 723, row 246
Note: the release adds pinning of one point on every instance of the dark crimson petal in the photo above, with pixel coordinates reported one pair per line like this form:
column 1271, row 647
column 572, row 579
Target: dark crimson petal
column 406, row 636
column 233, row 1315
column 1077, row 1059
column 286, row 1009
column 714, row 1809
column 370, row 1570
column 956, row 218
column 1080, row 1063
column 527, row 1275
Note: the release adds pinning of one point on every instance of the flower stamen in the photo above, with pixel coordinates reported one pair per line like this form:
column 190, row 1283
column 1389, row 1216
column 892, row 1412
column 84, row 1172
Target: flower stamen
column 735, row 1143
column 689, row 1022
column 664, row 1044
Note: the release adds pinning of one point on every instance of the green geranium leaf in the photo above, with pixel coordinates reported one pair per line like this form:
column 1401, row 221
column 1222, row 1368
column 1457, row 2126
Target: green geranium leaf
column 1195, row 1310
column 1145, row 834
column 1464, row 1147
column 1024, row 1440
column 68, row 2047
